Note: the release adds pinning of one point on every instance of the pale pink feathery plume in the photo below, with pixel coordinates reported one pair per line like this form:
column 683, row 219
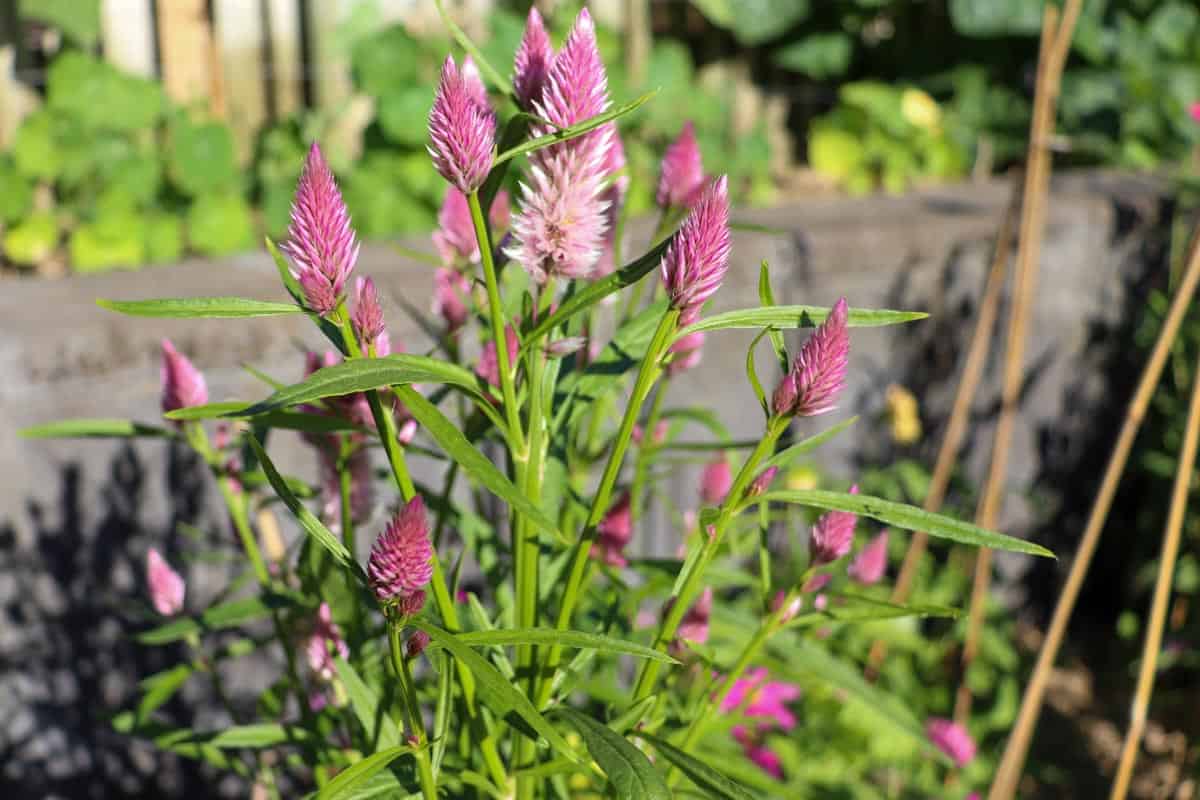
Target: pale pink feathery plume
column 818, row 373
column 870, row 564
column 462, row 131
column 715, row 481
column 762, row 698
column 832, row 535
column 532, row 63
column 698, row 256
column 614, row 533
column 182, row 384
column 576, row 89
column 694, row 625
column 166, row 586
column 320, row 240
column 952, row 739
column 687, row 352
column 762, row 482
column 681, row 176
column 401, row 560
column 451, row 292
column 324, row 643
column 367, row 315
column 488, row 366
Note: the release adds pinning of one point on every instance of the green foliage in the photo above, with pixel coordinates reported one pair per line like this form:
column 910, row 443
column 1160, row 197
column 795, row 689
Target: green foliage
column 220, row 224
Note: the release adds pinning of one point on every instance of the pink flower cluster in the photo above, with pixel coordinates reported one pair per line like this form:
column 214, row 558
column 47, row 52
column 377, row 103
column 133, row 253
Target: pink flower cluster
column 758, row 697
column 462, row 127
column 818, row 373
column 401, row 560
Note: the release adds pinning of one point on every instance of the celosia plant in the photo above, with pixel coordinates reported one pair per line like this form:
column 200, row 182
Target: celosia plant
column 572, row 664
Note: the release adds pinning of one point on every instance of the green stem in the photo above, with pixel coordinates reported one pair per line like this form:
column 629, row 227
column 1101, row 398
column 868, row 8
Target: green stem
column 346, row 490
column 645, row 451
column 412, row 712
column 647, row 374
column 710, row 544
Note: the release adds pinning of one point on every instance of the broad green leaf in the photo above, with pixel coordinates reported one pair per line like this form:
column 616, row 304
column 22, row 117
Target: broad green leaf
column 160, row 688
column 629, row 771
column 570, row 132
column 381, row 729
column 907, row 517
column 788, row 454
column 261, row 734
column 501, row 695
column 199, row 307
column 93, row 428
column 797, row 317
column 220, row 616
column 451, row 439
column 593, row 641
column 701, row 773
column 352, row 777
column 312, row 526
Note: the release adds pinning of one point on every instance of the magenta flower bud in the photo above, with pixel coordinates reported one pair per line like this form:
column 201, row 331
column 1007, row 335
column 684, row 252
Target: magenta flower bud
column 532, row 63
column 451, row 292
column 694, row 625
column 488, row 366
column 715, row 481
column 815, row 584
column 793, row 607
column 182, row 384
column 324, row 643
column 832, row 535
column 758, row 697
column 368, row 313
column 415, row 644
column 952, row 739
column 462, row 130
column 166, row 586
column 401, row 559
column 407, row 432
column 455, row 237
column 762, row 482
column 320, row 242
column 614, row 533
column 410, row 604
column 687, row 351
column 681, row 176
column 697, row 258
column 870, row 564
column 818, row 373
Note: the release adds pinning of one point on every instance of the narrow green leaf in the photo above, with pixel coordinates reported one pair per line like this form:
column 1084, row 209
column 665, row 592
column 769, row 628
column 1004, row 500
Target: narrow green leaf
column 221, row 408
column 907, row 517
column 381, row 729
column 629, row 771
column 200, row 307
column 578, row 129
column 93, row 428
column 261, row 734
column 594, row 641
column 285, row 273
column 312, row 526
column 223, row 615
column 789, row 454
column 857, row 608
column 766, row 298
column 752, row 373
column 701, row 773
column 451, row 440
column 796, row 317
column 501, row 695
column 160, row 688
column 353, row 776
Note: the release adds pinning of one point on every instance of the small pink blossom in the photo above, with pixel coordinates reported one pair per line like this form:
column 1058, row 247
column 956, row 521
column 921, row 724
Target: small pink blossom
column 753, row 748
column 762, row 482
column 694, row 625
column 415, row 644
column 870, row 564
column 681, row 176
column 952, row 739
column 660, row 433
column 325, row 635
column 762, row 698
column 488, row 366
column 401, row 559
column 182, row 384
column 715, row 481
column 698, row 256
column 368, row 313
column 687, row 353
column 793, row 606
column 818, row 373
column 532, row 63
column 615, row 532
column 1194, row 111
column 409, row 604
column 832, row 535
column 320, row 241
column 560, row 348
column 576, row 89
column 167, row 587
column 462, row 130
column 451, row 293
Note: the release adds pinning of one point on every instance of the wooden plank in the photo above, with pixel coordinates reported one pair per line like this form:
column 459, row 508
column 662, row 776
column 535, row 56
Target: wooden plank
column 190, row 69
column 238, row 29
column 285, row 78
column 127, row 35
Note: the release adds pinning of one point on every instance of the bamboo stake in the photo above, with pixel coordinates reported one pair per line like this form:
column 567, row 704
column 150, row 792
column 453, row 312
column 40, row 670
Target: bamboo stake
column 1008, row 773
column 956, row 428
column 1162, row 594
column 1055, row 41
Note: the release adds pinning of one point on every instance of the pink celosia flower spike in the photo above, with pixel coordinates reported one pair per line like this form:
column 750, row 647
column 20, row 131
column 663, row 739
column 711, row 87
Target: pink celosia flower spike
column 576, row 89
column 832, row 535
column 473, row 82
column 462, row 131
column 166, row 586
column 182, row 384
column 615, row 532
column 694, row 625
column 532, row 62
column 324, row 642
column 320, row 242
column 697, row 258
column 451, row 291
column 368, row 313
column 818, row 373
column 455, row 237
column 401, row 559
column 870, row 564
column 715, row 481
column 681, row 176
column 952, row 739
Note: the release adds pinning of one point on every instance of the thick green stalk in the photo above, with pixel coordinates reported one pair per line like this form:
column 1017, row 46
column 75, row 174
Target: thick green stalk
column 648, row 676
column 412, row 712
column 647, row 374
column 346, row 491
column 647, row 448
